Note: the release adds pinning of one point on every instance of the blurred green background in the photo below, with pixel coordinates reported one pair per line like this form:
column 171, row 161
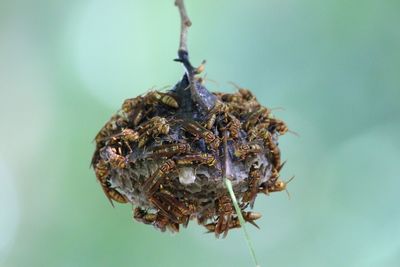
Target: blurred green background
column 66, row 66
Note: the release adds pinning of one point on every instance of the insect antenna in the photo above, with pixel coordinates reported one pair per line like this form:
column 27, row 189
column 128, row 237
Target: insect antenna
column 294, row 133
column 235, row 85
column 288, row 181
column 278, row 108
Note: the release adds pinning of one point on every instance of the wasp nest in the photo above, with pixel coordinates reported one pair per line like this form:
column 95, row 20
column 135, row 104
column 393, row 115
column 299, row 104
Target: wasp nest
column 167, row 154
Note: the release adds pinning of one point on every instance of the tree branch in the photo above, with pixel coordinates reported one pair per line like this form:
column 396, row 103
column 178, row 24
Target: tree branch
column 185, row 24
column 199, row 93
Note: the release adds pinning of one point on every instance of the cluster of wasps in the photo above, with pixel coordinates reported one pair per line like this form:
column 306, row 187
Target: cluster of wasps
column 155, row 139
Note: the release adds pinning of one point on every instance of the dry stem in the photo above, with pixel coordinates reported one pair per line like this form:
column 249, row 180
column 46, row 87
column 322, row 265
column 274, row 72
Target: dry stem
column 185, row 24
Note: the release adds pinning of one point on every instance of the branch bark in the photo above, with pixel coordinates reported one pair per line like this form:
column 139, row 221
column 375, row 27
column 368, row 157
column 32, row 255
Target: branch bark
column 185, row 24
column 199, row 93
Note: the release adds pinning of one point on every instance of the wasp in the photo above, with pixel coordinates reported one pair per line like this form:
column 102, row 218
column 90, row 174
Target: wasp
column 205, row 215
column 219, row 95
column 235, row 223
column 131, row 103
column 163, row 223
column 175, row 210
column 163, row 98
column 200, row 132
column 246, row 94
column 211, row 121
column 218, row 108
column 143, row 216
column 257, row 116
column 127, row 135
column 115, row 195
column 234, row 126
column 110, row 155
column 279, row 185
column 200, row 158
column 279, row 125
column 137, row 116
column 154, row 127
column 108, row 128
column 170, row 150
column 232, row 98
column 225, row 212
column 243, row 92
column 258, row 131
column 102, row 173
column 273, row 178
column 242, row 151
column 134, row 108
column 250, row 101
column 276, row 186
column 221, row 108
column 159, row 220
column 182, row 208
column 254, row 180
column 272, row 147
column 152, row 183
column 251, row 216
column 252, row 105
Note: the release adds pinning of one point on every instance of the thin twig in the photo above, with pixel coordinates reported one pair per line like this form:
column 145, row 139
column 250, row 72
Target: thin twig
column 185, row 24
column 228, row 185
column 226, row 172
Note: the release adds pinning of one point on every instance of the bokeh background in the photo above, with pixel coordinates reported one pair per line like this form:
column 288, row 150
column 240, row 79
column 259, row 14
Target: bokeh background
column 66, row 66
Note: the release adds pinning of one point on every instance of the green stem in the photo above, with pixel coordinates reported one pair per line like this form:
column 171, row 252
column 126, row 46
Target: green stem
column 228, row 185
